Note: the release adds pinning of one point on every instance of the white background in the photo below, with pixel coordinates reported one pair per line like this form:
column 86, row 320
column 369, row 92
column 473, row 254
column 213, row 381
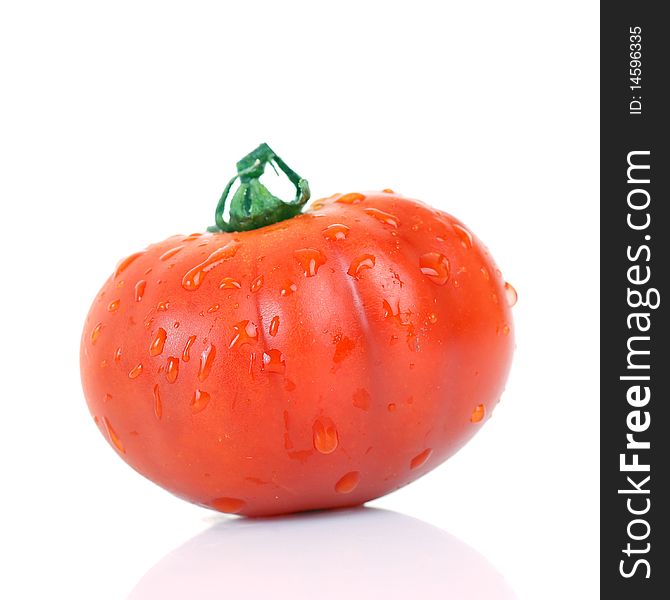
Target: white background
column 119, row 124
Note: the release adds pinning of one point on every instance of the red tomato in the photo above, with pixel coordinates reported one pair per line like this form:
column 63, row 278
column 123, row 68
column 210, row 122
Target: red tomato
column 321, row 361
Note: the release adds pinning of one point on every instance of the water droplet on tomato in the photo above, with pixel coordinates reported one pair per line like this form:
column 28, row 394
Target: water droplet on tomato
column 348, row 482
column 113, row 437
column 336, row 231
column 194, row 278
column 391, row 407
column 126, row 262
column 478, row 413
column 510, row 295
column 228, row 283
column 206, row 360
column 352, row 198
column 227, row 505
column 343, row 347
column 324, row 435
column 435, row 266
column 310, row 259
column 199, row 401
column 485, row 273
column 388, row 191
column 162, row 306
column 365, row 261
column 361, row 399
column 158, row 343
column 274, row 325
column 158, row 405
column 256, row 284
column 463, row 234
column 140, row 286
column 186, row 354
column 383, row 217
column 420, row 459
column 117, row 355
column 288, row 288
column 246, row 332
column 213, row 308
column 170, row 253
column 432, row 318
column 172, row 369
column 95, row 334
column 274, row 362
column 113, row 306
column 252, row 360
column 135, row 371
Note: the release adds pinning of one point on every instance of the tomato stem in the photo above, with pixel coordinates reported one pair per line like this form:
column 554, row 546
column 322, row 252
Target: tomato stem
column 252, row 205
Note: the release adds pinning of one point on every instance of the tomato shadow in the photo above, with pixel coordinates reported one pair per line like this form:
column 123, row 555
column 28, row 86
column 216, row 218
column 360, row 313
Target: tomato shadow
column 364, row 553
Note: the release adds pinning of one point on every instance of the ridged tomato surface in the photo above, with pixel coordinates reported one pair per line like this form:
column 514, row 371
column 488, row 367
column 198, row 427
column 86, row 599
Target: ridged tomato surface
column 322, row 361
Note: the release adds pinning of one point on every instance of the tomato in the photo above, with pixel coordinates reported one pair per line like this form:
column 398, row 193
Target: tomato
column 323, row 360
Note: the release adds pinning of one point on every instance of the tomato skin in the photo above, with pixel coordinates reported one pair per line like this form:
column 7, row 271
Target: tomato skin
column 322, row 361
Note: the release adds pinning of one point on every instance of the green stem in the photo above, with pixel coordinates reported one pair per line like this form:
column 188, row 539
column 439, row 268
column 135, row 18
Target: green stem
column 253, row 206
